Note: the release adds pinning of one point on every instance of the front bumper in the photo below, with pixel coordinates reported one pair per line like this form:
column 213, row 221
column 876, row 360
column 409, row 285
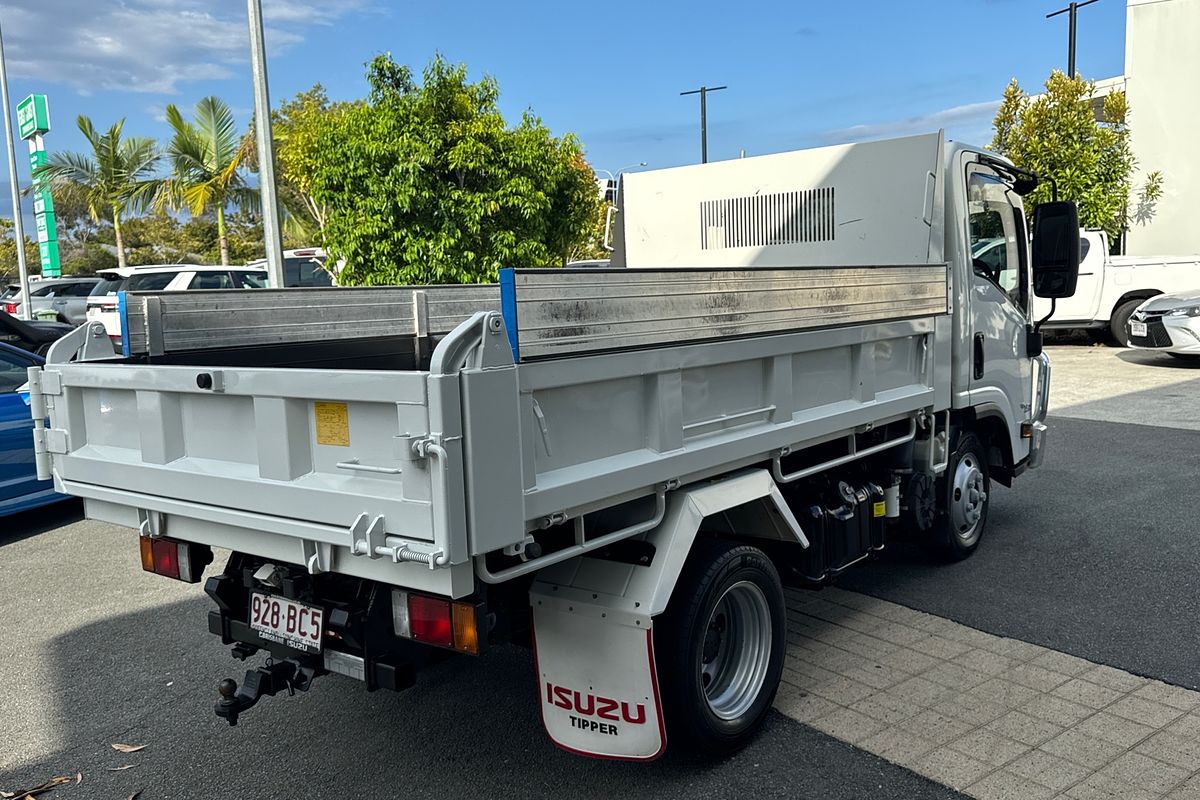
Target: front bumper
column 1167, row 334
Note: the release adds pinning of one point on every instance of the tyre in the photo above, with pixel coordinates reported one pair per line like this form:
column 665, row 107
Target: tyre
column 719, row 648
column 1120, row 319
column 964, row 492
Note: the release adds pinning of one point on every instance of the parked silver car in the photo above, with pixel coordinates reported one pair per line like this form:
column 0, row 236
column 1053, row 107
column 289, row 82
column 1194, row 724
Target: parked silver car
column 1168, row 323
column 66, row 297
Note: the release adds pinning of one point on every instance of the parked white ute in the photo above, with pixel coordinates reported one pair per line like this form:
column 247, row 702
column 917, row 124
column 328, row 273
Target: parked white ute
column 103, row 304
column 1169, row 323
column 1111, row 287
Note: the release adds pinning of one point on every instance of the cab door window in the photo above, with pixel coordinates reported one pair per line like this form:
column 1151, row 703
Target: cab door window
column 995, row 228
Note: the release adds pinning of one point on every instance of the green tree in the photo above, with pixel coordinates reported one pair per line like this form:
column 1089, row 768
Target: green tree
column 1057, row 134
column 88, row 259
column 205, row 154
column 8, row 251
column 118, row 178
column 296, row 126
column 428, row 184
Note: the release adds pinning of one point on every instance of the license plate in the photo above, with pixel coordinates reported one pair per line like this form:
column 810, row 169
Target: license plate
column 283, row 621
column 1137, row 329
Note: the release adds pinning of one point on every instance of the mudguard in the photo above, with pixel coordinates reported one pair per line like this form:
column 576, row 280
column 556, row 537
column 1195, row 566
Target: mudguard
column 596, row 679
column 593, row 620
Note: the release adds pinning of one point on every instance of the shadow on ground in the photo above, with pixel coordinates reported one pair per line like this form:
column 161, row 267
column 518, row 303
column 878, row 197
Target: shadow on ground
column 16, row 527
column 1152, row 359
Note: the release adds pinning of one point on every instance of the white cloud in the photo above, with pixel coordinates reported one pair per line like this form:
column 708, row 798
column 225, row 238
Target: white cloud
column 969, row 122
column 148, row 45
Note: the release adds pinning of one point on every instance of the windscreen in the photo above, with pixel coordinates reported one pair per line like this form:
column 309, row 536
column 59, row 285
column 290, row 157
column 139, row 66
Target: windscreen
column 110, row 283
column 304, row 271
column 155, row 281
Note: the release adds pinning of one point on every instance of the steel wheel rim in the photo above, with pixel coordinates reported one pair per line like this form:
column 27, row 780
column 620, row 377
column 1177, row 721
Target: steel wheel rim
column 736, row 650
column 968, row 496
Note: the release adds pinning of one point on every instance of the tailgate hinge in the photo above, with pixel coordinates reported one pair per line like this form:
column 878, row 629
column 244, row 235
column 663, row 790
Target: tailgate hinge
column 50, row 440
column 47, row 381
column 368, row 538
column 318, row 556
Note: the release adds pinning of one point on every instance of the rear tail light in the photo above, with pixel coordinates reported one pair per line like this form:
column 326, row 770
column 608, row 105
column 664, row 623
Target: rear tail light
column 182, row 561
column 432, row 620
column 11, row 308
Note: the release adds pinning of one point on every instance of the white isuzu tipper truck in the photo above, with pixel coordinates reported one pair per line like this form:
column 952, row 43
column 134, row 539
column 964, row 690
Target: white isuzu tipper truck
column 792, row 361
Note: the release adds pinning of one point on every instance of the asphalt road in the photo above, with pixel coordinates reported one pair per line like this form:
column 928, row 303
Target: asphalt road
column 1095, row 553
column 94, row 651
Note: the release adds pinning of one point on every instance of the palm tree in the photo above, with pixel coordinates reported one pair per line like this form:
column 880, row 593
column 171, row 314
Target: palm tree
column 116, row 179
column 206, row 160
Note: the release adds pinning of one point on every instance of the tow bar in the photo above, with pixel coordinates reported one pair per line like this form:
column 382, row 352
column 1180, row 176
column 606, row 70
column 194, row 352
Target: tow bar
column 266, row 680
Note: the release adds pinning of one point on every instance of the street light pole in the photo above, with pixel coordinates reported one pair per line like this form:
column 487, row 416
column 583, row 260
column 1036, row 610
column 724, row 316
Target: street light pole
column 266, row 145
column 703, row 92
column 18, row 222
column 1071, row 9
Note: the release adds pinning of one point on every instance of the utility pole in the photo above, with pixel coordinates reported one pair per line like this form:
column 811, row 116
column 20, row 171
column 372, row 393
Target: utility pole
column 266, row 145
column 18, row 222
column 1071, row 9
column 703, row 92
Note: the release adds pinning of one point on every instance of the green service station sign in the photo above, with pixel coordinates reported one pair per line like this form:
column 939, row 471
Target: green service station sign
column 33, row 121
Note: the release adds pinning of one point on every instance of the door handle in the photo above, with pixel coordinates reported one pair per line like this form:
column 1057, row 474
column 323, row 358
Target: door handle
column 978, row 356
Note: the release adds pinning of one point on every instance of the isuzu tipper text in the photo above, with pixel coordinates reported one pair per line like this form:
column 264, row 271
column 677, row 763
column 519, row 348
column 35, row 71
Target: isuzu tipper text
column 792, row 360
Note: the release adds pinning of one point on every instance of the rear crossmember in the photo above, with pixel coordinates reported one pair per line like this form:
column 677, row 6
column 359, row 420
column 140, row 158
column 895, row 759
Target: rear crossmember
column 359, row 624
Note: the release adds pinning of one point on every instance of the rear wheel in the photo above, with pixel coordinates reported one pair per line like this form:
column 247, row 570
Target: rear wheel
column 963, row 496
column 719, row 648
column 1120, row 320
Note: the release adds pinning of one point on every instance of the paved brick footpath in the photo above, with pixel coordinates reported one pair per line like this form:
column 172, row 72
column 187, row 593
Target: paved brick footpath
column 997, row 718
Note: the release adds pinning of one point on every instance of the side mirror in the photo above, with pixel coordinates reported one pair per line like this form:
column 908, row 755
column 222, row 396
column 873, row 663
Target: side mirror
column 1055, row 250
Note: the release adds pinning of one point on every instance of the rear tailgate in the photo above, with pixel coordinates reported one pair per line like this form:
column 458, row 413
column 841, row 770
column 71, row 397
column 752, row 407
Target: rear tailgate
column 329, row 457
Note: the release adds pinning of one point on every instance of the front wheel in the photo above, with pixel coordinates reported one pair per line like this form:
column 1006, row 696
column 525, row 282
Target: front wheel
column 963, row 495
column 720, row 647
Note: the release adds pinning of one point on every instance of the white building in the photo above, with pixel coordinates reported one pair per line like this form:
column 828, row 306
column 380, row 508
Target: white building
column 1162, row 85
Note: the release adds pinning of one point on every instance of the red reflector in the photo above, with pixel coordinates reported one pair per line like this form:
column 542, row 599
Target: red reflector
column 430, row 620
column 166, row 558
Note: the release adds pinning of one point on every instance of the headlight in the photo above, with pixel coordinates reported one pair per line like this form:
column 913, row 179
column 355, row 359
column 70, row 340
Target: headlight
column 1185, row 311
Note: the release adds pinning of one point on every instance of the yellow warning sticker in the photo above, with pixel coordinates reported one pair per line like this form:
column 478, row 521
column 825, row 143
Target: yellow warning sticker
column 333, row 424
column 879, row 509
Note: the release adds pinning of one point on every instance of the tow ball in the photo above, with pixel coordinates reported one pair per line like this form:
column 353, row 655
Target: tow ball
column 266, row 680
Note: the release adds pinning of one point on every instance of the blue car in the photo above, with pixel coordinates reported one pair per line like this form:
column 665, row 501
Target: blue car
column 20, row 488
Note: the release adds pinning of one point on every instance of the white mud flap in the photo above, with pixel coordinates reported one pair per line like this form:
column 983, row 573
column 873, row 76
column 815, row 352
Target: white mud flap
column 596, row 677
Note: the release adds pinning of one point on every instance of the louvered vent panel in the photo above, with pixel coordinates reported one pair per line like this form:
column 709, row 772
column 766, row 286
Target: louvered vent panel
column 763, row 220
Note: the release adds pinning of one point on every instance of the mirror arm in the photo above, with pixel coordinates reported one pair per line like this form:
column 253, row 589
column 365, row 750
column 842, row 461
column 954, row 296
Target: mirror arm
column 1037, row 326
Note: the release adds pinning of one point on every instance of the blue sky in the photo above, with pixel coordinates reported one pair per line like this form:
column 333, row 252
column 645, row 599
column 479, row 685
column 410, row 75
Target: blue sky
column 800, row 73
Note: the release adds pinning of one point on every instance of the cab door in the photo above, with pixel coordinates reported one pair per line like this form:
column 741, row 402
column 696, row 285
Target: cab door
column 998, row 298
